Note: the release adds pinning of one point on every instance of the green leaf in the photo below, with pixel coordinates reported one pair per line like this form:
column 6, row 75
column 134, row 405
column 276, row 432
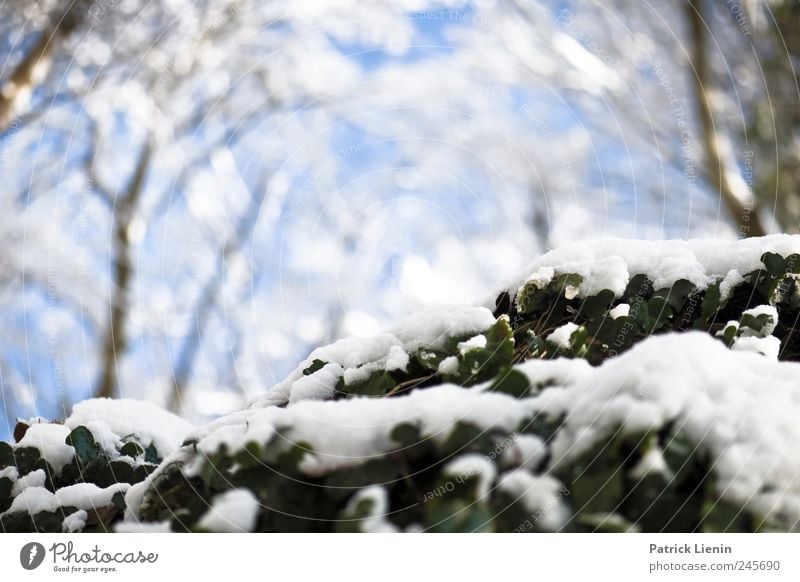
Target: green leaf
column 483, row 363
column 513, row 382
column 25, row 459
column 792, row 263
column 406, row 434
column 429, row 360
column 729, row 334
column 679, row 293
column 659, row 312
column 131, row 449
column 82, row 440
column 639, row 287
column 107, row 474
column 756, row 323
column 597, row 305
column 6, row 455
column 353, row 515
column 712, row 301
column 5, row 489
column 566, row 284
column 315, row 366
column 378, row 384
column 151, row 454
column 342, row 484
column 720, row 516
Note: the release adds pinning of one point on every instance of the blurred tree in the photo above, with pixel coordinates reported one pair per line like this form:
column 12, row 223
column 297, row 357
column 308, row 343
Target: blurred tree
column 774, row 120
column 57, row 24
column 726, row 180
column 197, row 193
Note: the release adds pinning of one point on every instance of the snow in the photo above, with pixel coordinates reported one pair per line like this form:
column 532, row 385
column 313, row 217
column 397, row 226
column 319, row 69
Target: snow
column 542, row 496
column 731, row 280
column 230, row 512
column 474, row 343
column 610, row 263
column 769, row 346
column 35, row 478
column 50, row 439
column 554, row 372
column 527, row 451
column 88, row 495
column 106, row 439
column 9, row 473
column 739, row 406
column 430, row 329
column 651, row 462
column 562, row 334
column 318, row 386
column 397, row 359
column 74, row 522
column 448, row 366
column 123, row 417
column 541, row 277
column 358, row 358
column 621, row 310
column 82, row 496
column 348, row 432
column 33, row 500
column 472, row 465
column 767, row 310
column 376, row 521
column 135, row 494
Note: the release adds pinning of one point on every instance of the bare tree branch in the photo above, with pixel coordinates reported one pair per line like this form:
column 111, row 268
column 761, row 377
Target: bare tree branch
column 208, row 298
column 34, row 64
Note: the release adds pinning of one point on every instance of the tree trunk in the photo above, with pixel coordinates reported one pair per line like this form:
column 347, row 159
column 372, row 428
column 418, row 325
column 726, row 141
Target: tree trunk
column 737, row 197
column 114, row 342
column 34, row 64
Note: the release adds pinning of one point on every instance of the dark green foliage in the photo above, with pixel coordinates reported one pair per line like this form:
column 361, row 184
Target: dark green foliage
column 90, row 464
column 539, row 309
column 604, row 488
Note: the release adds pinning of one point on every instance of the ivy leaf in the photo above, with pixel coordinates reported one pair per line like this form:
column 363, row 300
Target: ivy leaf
column 774, row 263
column 792, row 263
column 82, row 440
column 377, row 384
column 315, row 366
column 597, row 305
column 5, row 489
column 712, row 301
column 638, row 287
column 6, row 455
column 151, row 454
column 131, row 449
column 513, row 382
column 25, row 459
column 756, row 323
column 406, row 434
column 502, row 304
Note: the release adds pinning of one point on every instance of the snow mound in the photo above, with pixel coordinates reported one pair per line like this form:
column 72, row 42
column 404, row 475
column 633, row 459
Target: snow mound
column 737, row 410
column 740, row 407
column 611, row 263
column 116, row 419
column 615, row 386
column 356, row 359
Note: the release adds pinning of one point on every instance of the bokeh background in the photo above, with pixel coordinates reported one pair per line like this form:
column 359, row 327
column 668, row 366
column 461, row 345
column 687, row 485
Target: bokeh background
column 195, row 194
